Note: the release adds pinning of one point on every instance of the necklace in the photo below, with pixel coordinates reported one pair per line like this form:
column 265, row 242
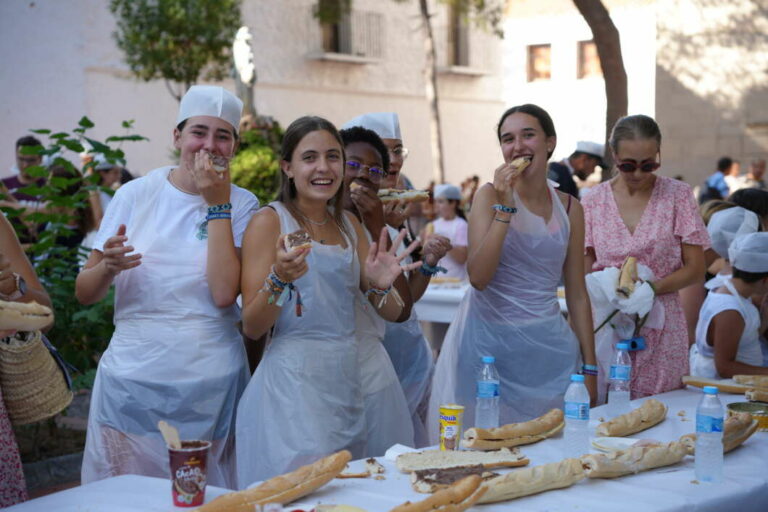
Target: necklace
column 314, row 222
column 171, row 174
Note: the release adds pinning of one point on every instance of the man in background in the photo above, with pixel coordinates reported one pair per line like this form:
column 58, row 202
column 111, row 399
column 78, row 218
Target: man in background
column 581, row 164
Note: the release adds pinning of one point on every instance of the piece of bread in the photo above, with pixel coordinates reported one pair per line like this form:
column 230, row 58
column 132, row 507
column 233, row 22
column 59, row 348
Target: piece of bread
column 297, row 240
column 388, row 195
column 627, row 277
column 519, row 164
column 724, row 386
column 757, row 395
column 282, row 489
column 24, row 316
column 429, row 481
column 755, row 381
column 515, row 434
column 524, row 482
column 737, row 429
column 651, row 413
column 438, row 459
column 456, row 498
column 632, row 460
column 219, row 163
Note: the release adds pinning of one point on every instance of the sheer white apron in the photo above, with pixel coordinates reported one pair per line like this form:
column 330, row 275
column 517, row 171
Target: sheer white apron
column 171, row 363
column 305, row 400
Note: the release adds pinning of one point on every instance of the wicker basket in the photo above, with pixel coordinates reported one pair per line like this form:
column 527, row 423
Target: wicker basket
column 33, row 385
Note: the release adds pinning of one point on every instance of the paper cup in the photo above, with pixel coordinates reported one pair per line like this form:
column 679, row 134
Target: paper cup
column 189, row 466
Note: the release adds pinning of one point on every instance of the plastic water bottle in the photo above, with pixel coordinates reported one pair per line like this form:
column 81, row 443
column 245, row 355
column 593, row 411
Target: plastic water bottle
column 576, row 418
column 618, row 383
column 487, row 402
column 709, row 437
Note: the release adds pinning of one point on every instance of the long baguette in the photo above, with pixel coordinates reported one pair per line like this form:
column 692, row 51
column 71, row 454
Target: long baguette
column 456, row 498
column 282, row 489
column 525, row 482
column 737, row 429
column 757, row 395
column 515, row 434
column 627, row 277
column 651, row 413
column 756, row 381
column 24, row 316
column 439, row 459
column 723, row 385
column 632, row 460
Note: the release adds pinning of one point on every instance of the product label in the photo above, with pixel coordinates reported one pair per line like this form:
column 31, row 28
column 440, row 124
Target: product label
column 708, row 424
column 620, row 372
column 487, row 389
column 577, row 410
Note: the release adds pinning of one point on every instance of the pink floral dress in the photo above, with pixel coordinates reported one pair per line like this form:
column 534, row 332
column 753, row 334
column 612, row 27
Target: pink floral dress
column 13, row 488
column 671, row 218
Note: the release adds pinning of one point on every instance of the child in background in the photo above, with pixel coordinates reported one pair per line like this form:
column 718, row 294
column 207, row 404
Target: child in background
column 450, row 223
column 724, row 227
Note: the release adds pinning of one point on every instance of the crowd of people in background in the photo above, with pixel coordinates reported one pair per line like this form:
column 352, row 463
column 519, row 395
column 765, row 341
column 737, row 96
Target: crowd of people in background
column 347, row 364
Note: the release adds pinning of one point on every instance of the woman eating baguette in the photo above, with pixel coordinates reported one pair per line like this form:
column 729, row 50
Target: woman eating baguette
column 305, row 399
column 524, row 236
column 169, row 241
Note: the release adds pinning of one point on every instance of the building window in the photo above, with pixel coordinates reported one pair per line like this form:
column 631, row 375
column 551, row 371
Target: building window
column 589, row 62
column 458, row 39
column 359, row 34
column 337, row 37
column 539, row 62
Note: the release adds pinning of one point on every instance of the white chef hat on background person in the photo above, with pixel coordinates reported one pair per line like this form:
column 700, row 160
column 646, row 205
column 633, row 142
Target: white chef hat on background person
column 385, row 124
column 447, row 191
column 725, row 225
column 213, row 101
column 749, row 253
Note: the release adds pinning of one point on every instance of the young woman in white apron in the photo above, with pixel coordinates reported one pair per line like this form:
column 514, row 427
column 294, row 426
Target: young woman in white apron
column 176, row 353
column 524, row 236
column 305, row 400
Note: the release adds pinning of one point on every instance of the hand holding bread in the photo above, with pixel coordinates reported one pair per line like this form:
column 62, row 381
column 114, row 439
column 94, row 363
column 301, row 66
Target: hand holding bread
column 290, row 260
column 24, row 316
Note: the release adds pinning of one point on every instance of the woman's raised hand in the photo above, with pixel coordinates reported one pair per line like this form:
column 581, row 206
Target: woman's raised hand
column 504, row 179
column 382, row 267
column 214, row 186
column 290, row 265
column 116, row 257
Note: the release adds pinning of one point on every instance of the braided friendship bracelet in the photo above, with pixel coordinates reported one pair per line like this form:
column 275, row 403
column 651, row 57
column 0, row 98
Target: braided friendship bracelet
column 384, row 294
column 221, row 215
column 218, row 208
column 281, row 291
column 504, row 209
column 429, row 271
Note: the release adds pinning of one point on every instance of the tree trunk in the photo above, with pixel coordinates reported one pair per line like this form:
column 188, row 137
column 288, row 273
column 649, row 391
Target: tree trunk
column 430, row 82
column 606, row 37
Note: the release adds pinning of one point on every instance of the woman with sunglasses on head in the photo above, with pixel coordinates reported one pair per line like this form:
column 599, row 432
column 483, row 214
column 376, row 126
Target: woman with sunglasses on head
column 655, row 219
column 524, row 237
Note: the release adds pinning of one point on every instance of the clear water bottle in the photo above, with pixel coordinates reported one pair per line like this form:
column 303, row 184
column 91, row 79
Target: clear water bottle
column 487, row 402
column 576, row 418
column 618, row 383
column 709, row 437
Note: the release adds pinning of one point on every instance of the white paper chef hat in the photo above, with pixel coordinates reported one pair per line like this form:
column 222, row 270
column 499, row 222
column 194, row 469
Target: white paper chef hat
column 447, row 191
column 750, row 252
column 385, row 124
column 102, row 164
column 211, row 100
column 725, row 225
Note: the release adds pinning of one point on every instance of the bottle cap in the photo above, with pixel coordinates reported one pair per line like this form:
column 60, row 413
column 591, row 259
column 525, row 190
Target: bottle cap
column 623, row 346
column 577, row 378
column 489, row 359
column 710, row 390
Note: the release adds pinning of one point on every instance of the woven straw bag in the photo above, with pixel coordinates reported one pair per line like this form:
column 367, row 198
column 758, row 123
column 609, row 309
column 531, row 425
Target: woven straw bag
column 34, row 384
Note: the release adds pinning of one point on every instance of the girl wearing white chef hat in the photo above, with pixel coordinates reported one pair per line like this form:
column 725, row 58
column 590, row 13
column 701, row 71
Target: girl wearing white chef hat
column 728, row 331
column 170, row 243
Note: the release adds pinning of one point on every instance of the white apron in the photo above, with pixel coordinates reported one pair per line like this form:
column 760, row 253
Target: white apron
column 702, row 355
column 516, row 319
column 172, row 362
column 305, row 399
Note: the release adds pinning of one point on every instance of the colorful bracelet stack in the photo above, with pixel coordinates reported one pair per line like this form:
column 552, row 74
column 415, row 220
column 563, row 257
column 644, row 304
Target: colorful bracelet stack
column 219, row 211
column 430, row 271
column 384, row 294
column 281, row 291
column 589, row 369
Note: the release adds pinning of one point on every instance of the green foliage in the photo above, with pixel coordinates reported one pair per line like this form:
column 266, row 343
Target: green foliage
column 176, row 40
column 256, row 167
column 81, row 333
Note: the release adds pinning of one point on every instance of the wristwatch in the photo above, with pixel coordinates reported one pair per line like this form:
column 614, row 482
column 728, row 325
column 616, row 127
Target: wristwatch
column 21, row 287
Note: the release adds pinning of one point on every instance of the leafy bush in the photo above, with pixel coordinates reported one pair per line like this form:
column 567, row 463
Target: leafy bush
column 256, row 167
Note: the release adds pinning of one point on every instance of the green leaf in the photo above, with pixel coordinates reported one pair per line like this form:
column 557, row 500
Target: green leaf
column 85, row 122
column 128, row 124
column 119, row 138
column 31, row 150
column 96, row 146
column 41, row 131
column 72, row 145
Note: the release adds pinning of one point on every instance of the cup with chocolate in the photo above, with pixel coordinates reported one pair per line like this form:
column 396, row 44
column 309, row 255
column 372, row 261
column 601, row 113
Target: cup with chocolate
column 189, row 466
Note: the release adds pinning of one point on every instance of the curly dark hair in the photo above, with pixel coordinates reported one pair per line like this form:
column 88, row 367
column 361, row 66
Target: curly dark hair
column 360, row 134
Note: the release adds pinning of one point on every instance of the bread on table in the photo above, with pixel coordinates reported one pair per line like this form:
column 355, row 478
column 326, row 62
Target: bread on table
column 723, row 385
column 756, row 381
column 533, row 480
column 737, row 429
column 432, row 480
column 757, row 395
column 515, row 434
column 651, row 413
column 439, row 459
column 456, row 498
column 632, row 460
column 24, row 316
column 282, row 489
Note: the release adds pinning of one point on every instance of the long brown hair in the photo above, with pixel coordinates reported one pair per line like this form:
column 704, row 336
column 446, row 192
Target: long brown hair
column 297, row 130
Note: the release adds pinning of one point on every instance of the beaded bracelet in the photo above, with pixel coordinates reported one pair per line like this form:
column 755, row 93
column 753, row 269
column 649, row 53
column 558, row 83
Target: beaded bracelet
column 429, row 271
column 281, row 291
column 217, row 208
column 504, row 209
column 220, row 215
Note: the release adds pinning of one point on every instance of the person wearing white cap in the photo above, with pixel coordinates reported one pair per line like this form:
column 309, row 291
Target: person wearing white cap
column 723, row 228
column 728, row 330
column 452, row 224
column 169, row 242
column 581, row 164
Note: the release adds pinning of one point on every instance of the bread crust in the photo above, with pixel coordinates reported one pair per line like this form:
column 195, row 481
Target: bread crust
column 298, row 239
column 632, row 460
column 284, row 488
column 390, row 195
column 722, row 386
column 24, row 316
column 737, row 428
column 627, row 277
column 456, row 498
column 755, row 381
column 515, row 434
column 757, row 395
column 651, row 413
column 439, row 459
column 519, row 164
column 533, row 480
